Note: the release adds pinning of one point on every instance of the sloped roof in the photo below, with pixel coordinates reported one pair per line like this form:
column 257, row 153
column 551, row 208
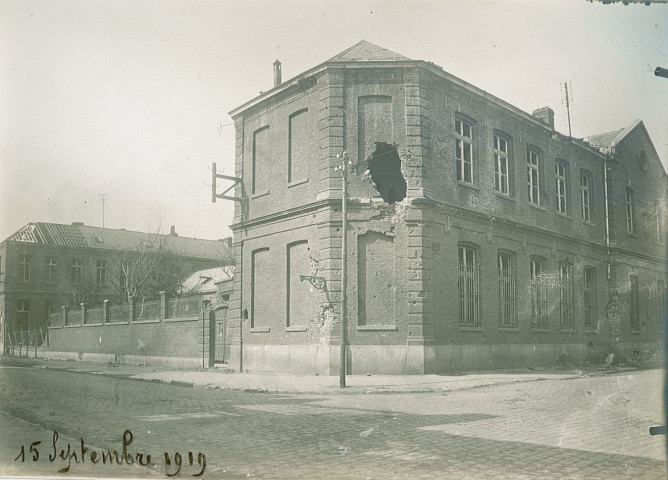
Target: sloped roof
column 367, row 52
column 79, row 235
column 606, row 142
column 205, row 281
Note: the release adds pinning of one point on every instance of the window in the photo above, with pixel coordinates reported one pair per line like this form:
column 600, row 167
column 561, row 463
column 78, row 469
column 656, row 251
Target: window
column 501, row 180
column 469, row 287
column 585, row 195
column 507, row 297
column 464, row 151
column 634, row 303
column 566, row 295
column 630, row 224
column 263, row 298
column 101, row 273
column 662, row 303
column 660, row 230
column 25, row 269
column 76, row 271
column 538, row 294
column 22, row 314
column 561, row 171
column 533, row 177
column 51, row 272
column 589, row 298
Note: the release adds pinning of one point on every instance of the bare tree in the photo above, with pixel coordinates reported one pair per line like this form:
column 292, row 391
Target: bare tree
column 139, row 267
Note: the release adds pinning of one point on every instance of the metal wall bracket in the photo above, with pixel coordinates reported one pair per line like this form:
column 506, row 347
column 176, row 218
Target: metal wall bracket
column 214, row 178
column 316, row 282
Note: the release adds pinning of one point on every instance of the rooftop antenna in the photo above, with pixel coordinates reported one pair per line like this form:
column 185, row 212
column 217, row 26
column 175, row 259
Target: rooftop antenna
column 567, row 99
column 103, row 197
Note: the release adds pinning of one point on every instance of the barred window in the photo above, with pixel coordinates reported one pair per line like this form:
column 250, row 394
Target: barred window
column 589, row 297
column 566, row 295
column 501, row 169
column 469, row 287
column 538, row 294
column 533, row 174
column 634, row 303
column 507, row 296
column 464, row 151
column 22, row 314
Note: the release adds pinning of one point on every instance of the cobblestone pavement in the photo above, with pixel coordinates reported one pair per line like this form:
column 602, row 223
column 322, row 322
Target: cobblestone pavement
column 575, row 428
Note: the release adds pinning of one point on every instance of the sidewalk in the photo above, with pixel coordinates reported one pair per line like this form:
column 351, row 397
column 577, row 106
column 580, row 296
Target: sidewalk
column 288, row 383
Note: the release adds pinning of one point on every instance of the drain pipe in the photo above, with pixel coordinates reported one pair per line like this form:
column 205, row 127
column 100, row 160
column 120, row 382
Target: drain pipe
column 607, row 214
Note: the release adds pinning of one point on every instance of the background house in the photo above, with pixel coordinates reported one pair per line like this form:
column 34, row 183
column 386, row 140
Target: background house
column 479, row 236
column 45, row 266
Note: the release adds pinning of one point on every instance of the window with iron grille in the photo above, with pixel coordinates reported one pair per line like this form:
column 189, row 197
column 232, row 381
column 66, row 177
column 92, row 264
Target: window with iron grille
column 533, row 177
column 25, row 268
column 76, row 271
column 562, row 185
column 469, row 287
column 101, row 273
column 464, row 151
column 585, row 196
column 51, row 266
column 538, row 293
column 634, row 303
column 566, row 295
column 22, row 314
column 589, row 298
column 630, row 223
column 507, row 296
column 501, row 169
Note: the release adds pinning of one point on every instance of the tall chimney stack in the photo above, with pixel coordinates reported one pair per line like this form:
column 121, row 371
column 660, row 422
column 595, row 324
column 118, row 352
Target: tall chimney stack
column 277, row 73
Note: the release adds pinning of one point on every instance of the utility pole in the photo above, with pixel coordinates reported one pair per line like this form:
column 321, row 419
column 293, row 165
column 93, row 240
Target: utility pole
column 103, row 197
column 567, row 100
column 344, row 268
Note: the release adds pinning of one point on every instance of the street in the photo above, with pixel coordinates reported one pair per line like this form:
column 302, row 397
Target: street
column 592, row 427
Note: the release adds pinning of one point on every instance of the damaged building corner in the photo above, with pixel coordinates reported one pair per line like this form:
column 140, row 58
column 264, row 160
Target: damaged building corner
column 385, row 171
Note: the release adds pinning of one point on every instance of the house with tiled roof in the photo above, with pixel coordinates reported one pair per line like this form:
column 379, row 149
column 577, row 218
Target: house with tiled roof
column 477, row 236
column 46, row 266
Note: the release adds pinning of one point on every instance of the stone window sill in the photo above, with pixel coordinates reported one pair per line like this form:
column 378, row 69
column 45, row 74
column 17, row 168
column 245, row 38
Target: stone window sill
column 505, row 196
column 294, row 183
column 296, row 328
column 537, row 207
column 508, row 328
column 182, row 319
column 376, row 328
column 260, row 330
column 260, row 194
column 539, row 330
column 466, row 328
column 467, row 185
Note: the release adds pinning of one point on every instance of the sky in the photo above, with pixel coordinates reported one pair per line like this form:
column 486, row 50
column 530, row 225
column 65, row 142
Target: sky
column 128, row 100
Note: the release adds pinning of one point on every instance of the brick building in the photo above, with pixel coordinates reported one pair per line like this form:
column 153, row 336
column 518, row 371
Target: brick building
column 45, row 266
column 478, row 236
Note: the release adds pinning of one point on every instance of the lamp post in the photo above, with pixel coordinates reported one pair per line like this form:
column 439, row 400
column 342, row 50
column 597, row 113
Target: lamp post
column 344, row 259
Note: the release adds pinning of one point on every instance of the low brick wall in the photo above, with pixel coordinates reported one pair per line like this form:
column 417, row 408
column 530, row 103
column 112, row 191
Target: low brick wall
column 172, row 342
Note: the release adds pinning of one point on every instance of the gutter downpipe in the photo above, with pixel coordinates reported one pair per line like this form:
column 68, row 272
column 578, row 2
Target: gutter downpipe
column 607, row 215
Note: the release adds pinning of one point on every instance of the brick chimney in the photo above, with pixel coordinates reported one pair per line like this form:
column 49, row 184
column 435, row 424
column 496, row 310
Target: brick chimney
column 545, row 115
column 172, row 231
column 277, row 73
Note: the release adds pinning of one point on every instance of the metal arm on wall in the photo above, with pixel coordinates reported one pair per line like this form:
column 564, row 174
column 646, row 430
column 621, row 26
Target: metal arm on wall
column 214, row 177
